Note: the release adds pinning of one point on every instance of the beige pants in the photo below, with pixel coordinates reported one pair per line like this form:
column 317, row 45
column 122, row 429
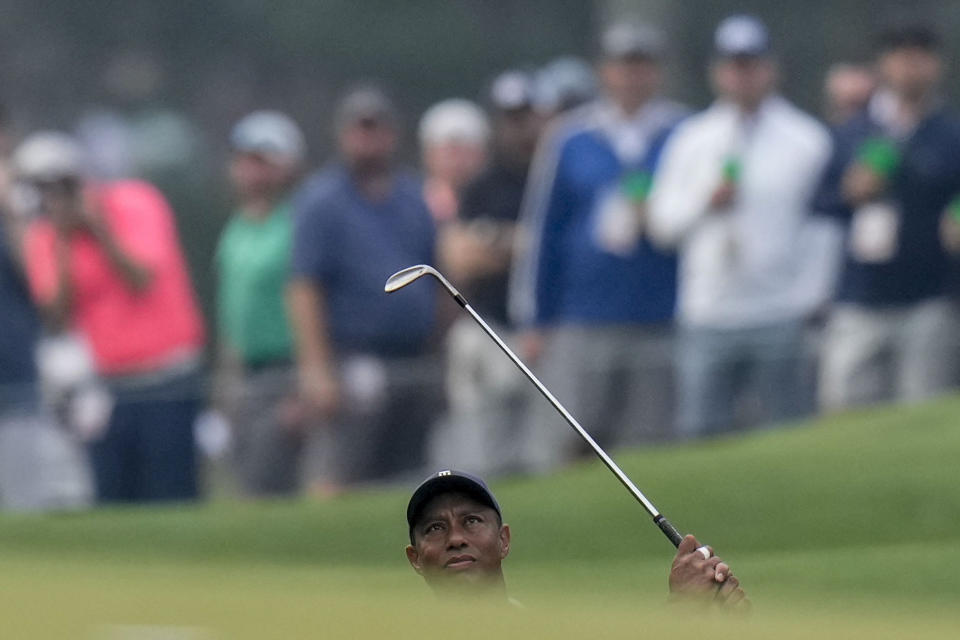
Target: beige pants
column 903, row 354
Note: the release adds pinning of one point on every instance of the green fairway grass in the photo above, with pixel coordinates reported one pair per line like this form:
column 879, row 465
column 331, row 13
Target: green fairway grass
column 847, row 527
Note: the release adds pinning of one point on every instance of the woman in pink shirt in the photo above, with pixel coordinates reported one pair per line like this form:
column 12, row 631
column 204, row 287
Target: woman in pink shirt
column 105, row 262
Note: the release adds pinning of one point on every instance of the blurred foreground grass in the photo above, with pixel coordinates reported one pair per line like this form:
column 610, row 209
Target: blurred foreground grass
column 848, row 527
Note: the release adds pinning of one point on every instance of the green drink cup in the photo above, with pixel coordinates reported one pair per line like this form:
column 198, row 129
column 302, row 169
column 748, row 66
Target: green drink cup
column 732, row 170
column 636, row 186
column 954, row 209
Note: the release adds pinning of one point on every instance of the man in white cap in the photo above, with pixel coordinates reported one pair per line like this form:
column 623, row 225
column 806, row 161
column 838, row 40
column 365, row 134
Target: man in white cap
column 40, row 465
column 253, row 265
column 732, row 195
column 454, row 136
column 486, row 396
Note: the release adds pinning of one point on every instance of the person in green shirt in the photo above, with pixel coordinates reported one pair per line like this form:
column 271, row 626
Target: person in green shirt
column 256, row 344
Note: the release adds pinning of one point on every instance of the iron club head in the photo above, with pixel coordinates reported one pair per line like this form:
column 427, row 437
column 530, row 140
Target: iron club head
column 405, row 276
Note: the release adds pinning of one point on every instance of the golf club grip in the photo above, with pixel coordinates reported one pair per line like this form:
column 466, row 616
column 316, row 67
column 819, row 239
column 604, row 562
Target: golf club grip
column 669, row 530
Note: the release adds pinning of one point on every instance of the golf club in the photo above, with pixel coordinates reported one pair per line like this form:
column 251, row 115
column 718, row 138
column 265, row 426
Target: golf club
column 405, row 276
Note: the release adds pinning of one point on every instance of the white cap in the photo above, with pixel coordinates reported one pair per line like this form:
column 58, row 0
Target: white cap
column 512, row 90
column 741, row 35
column 49, row 155
column 270, row 133
column 454, row 120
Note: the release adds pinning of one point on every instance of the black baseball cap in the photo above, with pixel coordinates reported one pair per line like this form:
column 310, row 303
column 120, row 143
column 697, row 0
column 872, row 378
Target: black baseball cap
column 448, row 481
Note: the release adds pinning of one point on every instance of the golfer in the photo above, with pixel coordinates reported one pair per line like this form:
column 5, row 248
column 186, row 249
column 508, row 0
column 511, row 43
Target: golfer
column 458, row 542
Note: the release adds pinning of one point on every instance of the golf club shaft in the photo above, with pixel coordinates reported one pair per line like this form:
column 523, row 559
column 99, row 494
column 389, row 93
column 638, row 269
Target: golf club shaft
column 668, row 529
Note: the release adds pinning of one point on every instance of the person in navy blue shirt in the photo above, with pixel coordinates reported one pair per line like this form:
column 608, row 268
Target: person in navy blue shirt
column 19, row 402
column 896, row 167
column 364, row 358
column 595, row 296
column 21, row 328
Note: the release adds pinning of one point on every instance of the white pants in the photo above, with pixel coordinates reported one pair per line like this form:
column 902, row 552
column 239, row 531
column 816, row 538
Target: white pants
column 41, row 466
column 904, row 354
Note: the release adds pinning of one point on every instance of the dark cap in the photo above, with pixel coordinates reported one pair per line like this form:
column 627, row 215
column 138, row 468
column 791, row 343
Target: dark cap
column 448, row 481
column 908, row 36
column 625, row 40
column 741, row 36
column 366, row 102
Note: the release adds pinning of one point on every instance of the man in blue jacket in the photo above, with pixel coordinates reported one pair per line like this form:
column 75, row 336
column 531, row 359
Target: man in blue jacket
column 592, row 292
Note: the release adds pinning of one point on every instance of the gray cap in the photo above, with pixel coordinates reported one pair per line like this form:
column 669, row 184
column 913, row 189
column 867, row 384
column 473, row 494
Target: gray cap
column 269, row 133
column 49, row 155
column 564, row 83
column 366, row 102
column 741, row 36
column 625, row 40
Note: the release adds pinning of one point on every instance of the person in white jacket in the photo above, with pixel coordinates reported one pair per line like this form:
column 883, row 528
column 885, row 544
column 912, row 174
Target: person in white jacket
column 732, row 194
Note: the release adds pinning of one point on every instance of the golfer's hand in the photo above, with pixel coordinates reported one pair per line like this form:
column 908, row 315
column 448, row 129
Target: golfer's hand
column 705, row 580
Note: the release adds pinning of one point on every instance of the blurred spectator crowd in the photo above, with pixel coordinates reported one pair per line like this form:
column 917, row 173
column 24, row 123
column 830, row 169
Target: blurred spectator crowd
column 670, row 274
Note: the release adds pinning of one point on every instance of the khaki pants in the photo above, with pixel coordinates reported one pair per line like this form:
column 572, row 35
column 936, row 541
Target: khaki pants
column 905, row 354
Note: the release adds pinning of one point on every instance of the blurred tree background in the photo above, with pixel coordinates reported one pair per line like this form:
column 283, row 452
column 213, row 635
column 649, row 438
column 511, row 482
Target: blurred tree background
column 159, row 84
column 808, row 36
column 175, row 75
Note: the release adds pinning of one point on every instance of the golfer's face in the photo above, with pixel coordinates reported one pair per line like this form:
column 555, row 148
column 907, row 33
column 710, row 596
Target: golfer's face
column 458, row 539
